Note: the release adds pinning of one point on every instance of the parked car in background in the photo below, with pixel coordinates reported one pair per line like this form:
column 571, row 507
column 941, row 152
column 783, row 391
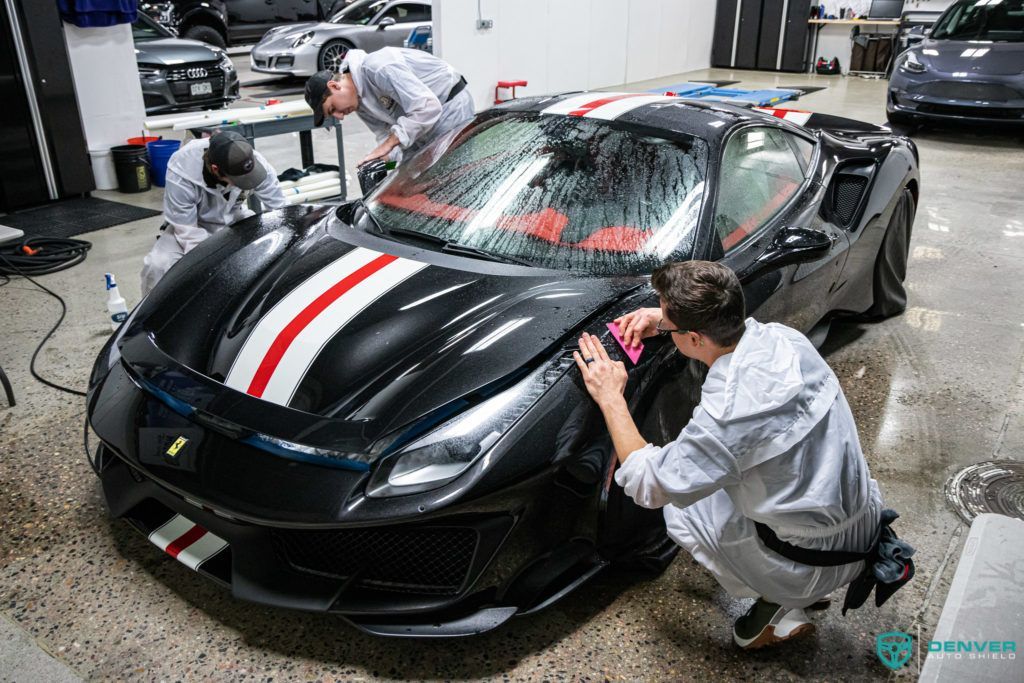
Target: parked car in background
column 179, row 74
column 236, row 22
column 969, row 66
column 304, row 49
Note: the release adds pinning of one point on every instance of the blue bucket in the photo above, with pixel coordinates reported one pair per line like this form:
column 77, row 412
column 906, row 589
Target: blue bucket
column 160, row 152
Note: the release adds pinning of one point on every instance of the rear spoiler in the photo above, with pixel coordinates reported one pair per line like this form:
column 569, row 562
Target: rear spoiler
column 827, row 122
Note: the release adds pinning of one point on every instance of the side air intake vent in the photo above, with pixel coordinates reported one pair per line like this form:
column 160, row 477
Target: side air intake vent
column 846, row 195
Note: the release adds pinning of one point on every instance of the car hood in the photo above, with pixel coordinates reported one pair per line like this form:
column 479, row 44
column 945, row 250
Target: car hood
column 361, row 329
column 174, row 52
column 973, row 57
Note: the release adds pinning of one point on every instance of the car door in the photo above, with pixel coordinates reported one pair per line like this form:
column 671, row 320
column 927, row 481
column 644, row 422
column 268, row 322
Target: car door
column 764, row 193
column 406, row 15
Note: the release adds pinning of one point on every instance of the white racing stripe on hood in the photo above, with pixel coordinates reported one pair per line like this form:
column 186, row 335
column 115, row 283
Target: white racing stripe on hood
column 288, row 339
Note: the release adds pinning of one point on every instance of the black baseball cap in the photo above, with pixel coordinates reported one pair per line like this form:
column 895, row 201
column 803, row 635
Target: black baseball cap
column 316, row 92
column 235, row 159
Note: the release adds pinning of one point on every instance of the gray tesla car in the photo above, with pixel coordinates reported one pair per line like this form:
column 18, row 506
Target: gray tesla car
column 178, row 74
column 969, row 66
column 303, row 49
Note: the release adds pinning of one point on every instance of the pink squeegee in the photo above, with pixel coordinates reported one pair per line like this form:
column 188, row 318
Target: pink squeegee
column 633, row 352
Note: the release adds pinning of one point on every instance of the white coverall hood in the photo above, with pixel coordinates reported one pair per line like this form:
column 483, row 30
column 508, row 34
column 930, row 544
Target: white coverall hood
column 763, row 375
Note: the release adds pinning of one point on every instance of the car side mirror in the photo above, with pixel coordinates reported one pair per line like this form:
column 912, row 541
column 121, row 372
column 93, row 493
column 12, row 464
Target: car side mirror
column 371, row 174
column 385, row 22
column 791, row 245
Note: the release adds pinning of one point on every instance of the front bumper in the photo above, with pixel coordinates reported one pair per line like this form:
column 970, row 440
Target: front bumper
column 284, row 60
column 417, row 579
column 305, row 537
column 161, row 95
column 935, row 97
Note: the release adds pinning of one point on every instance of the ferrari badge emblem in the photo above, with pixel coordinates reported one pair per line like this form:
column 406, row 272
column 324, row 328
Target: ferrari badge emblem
column 177, row 446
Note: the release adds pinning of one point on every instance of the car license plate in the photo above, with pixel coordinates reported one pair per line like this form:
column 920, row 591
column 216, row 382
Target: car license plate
column 204, row 88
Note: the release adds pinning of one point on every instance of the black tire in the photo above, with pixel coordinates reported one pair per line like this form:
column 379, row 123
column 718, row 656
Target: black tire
column 890, row 296
column 332, row 54
column 206, row 34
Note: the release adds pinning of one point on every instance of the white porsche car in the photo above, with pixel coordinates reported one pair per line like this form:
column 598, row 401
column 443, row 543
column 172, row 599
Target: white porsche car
column 303, row 49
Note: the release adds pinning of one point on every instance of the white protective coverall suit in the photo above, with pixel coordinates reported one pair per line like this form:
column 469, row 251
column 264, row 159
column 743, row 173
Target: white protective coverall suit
column 772, row 440
column 403, row 91
column 193, row 210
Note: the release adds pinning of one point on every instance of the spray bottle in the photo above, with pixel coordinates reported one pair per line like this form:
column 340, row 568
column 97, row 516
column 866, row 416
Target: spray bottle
column 115, row 303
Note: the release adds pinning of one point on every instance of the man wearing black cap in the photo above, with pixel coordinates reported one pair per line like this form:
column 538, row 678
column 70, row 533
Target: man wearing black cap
column 208, row 182
column 408, row 98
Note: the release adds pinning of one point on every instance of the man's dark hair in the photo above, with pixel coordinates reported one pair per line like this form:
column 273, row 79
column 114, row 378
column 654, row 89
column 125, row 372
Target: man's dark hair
column 702, row 296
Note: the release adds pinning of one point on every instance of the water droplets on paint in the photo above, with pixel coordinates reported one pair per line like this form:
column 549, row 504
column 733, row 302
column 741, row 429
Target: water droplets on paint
column 995, row 486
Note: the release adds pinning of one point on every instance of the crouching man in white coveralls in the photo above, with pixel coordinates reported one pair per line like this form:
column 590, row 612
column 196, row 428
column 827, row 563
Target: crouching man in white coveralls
column 208, row 182
column 772, row 441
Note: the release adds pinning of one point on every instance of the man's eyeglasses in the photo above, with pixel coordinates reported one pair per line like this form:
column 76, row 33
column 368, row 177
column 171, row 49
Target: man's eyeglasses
column 665, row 330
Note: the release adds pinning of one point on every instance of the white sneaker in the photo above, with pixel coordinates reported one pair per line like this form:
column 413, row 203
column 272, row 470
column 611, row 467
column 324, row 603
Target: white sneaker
column 766, row 623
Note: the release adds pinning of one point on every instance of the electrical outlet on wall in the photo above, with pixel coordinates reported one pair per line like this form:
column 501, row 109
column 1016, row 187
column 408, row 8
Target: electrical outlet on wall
column 484, row 24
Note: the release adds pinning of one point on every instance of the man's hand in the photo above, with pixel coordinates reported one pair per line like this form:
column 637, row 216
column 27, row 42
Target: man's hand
column 605, row 379
column 640, row 324
column 382, row 150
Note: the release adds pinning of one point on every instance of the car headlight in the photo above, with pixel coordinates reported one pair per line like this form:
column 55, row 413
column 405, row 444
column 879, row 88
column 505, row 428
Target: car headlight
column 911, row 63
column 438, row 457
column 225, row 62
column 148, row 71
column 303, row 39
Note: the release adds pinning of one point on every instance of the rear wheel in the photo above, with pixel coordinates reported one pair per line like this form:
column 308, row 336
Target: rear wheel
column 333, row 54
column 890, row 296
column 205, row 34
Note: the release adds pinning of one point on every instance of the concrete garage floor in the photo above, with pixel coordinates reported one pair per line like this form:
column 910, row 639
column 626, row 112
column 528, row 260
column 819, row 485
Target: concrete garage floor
column 937, row 388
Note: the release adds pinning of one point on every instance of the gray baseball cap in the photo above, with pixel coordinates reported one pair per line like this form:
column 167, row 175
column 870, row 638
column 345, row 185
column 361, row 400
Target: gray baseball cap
column 236, row 160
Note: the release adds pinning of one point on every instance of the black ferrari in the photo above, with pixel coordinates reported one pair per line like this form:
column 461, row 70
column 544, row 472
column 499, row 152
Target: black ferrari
column 372, row 409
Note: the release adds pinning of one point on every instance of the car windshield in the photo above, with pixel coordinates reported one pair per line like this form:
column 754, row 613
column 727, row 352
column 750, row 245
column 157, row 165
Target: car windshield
column 145, row 29
column 995, row 20
column 560, row 192
column 359, row 12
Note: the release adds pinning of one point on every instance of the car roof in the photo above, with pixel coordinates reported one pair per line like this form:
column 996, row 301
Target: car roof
column 706, row 119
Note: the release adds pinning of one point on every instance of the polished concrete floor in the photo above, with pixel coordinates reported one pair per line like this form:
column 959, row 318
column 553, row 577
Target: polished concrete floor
column 934, row 389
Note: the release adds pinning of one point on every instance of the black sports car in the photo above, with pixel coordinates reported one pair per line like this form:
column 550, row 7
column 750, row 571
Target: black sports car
column 372, row 409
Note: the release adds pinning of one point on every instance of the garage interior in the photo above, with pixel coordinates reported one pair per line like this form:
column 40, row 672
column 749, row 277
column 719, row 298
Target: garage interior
column 933, row 390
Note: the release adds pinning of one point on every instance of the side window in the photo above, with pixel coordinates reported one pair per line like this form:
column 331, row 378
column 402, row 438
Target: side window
column 760, row 172
column 406, row 12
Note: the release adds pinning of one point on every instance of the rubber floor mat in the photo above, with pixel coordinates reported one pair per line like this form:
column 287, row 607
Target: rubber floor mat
column 70, row 217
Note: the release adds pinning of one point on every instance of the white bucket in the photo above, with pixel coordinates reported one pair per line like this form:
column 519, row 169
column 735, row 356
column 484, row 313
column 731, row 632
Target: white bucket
column 103, row 169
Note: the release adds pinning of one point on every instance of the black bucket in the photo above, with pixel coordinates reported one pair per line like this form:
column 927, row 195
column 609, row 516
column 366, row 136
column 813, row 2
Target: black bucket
column 131, row 164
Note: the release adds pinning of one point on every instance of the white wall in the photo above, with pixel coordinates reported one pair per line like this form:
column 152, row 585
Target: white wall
column 560, row 45
column 106, row 83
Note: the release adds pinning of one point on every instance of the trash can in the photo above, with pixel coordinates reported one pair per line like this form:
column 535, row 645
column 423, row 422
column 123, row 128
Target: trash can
column 131, row 165
column 160, row 152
